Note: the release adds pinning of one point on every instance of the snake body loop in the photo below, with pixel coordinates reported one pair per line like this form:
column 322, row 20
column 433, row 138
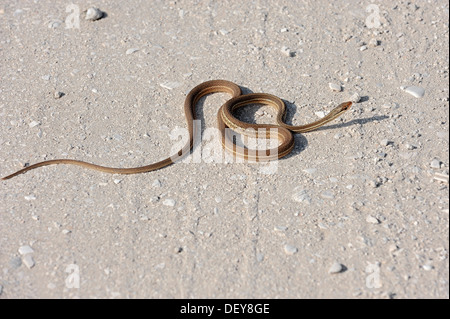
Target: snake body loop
column 226, row 120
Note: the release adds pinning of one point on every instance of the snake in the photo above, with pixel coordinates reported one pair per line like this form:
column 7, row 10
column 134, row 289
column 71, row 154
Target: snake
column 227, row 122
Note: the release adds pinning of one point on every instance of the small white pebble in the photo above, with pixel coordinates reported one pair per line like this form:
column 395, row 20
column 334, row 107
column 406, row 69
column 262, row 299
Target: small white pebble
column 355, row 98
column 170, row 85
column 58, row 95
column 385, row 142
column 169, row 202
column 156, row 183
column 93, row 14
column 427, row 267
column 66, row 231
column 415, row 91
column 372, row 220
column 290, row 250
column 287, row 52
column 363, row 48
column 34, row 123
column 435, row 163
column 320, row 114
column 335, row 87
column 23, row 250
column 131, row 51
column 335, row 268
column 280, row 228
column 117, row 181
column 373, row 42
column 30, row 197
column 154, row 199
column 393, row 248
column 28, row 261
column 373, row 183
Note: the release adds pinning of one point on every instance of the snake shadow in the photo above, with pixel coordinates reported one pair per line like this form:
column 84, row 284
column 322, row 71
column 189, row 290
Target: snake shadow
column 248, row 114
column 302, row 142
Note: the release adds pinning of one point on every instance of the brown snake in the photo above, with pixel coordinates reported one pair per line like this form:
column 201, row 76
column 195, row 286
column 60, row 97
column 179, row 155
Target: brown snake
column 225, row 120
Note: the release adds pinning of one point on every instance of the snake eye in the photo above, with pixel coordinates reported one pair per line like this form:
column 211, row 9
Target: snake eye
column 346, row 105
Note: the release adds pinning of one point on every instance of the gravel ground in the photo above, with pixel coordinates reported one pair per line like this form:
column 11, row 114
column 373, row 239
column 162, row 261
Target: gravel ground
column 359, row 209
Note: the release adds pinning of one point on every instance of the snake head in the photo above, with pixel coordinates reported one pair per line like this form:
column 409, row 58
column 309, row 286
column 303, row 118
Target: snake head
column 345, row 106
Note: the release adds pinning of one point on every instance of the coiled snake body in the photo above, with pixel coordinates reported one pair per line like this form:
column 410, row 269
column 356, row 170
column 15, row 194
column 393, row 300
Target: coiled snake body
column 225, row 120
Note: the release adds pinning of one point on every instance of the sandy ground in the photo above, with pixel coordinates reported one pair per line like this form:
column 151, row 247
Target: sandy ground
column 356, row 211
